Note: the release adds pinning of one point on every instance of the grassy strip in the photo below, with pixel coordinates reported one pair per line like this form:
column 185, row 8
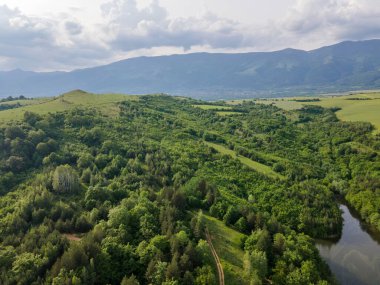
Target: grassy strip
column 261, row 168
column 227, row 245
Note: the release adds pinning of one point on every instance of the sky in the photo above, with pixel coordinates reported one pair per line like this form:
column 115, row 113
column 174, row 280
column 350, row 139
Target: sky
column 45, row 35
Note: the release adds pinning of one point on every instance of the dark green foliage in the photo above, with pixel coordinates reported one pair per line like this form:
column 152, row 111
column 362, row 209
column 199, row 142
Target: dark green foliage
column 90, row 199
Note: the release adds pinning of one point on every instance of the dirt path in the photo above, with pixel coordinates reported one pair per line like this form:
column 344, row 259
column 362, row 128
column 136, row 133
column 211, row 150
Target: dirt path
column 216, row 257
column 72, row 237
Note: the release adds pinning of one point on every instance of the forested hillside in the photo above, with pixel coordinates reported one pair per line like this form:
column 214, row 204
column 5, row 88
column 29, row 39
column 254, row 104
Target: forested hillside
column 345, row 66
column 89, row 198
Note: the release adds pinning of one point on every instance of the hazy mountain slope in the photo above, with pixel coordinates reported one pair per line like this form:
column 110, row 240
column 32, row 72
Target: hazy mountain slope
column 341, row 67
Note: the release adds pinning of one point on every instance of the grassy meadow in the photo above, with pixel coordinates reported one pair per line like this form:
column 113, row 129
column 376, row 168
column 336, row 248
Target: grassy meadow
column 105, row 103
column 213, row 107
column 364, row 107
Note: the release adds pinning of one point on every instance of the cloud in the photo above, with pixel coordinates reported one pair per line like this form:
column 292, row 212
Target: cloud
column 332, row 20
column 73, row 28
column 65, row 41
column 45, row 43
column 150, row 27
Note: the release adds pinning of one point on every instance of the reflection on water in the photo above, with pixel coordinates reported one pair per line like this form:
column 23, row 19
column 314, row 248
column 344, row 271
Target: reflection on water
column 355, row 257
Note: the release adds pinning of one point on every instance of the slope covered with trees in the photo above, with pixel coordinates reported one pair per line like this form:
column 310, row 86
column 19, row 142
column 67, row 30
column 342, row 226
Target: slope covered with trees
column 341, row 67
column 88, row 198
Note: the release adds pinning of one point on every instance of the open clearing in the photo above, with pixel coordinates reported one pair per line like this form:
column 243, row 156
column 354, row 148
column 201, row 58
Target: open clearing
column 226, row 113
column 221, row 110
column 261, row 168
column 106, row 103
column 363, row 107
column 227, row 245
column 213, row 107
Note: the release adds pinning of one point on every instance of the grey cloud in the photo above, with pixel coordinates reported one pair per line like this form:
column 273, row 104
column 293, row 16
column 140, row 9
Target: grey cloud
column 337, row 19
column 34, row 43
column 151, row 27
column 66, row 43
column 73, row 28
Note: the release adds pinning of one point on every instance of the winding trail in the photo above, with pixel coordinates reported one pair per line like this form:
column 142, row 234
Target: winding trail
column 216, row 257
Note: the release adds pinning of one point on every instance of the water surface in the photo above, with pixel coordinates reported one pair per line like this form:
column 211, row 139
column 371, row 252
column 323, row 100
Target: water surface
column 355, row 257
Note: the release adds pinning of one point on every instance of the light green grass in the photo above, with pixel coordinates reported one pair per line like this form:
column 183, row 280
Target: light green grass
column 227, row 245
column 106, row 103
column 351, row 110
column 213, row 107
column 261, row 168
column 26, row 102
column 355, row 110
column 226, row 113
column 285, row 103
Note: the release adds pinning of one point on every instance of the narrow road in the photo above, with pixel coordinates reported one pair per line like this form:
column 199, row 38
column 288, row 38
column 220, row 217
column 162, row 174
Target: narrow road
column 216, row 257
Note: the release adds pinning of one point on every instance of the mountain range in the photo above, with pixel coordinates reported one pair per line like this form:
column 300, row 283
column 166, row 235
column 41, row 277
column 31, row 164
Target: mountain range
column 341, row 67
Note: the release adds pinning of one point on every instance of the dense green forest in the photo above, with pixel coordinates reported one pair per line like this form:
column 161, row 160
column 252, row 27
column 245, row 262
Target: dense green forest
column 88, row 198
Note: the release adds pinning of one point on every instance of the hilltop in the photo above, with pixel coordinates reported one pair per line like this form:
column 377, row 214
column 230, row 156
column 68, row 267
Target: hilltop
column 106, row 103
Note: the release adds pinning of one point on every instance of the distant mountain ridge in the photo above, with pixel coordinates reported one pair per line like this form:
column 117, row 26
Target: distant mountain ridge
column 342, row 67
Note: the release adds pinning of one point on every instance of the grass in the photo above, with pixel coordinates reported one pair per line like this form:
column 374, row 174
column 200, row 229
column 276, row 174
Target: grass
column 355, row 110
column 351, row 110
column 26, row 102
column 261, row 168
column 226, row 113
column 106, row 103
column 227, row 245
column 213, row 107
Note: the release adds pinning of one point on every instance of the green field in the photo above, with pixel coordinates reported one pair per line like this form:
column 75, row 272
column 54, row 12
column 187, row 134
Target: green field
column 351, row 110
column 26, row 102
column 226, row 113
column 227, row 245
column 261, row 168
column 213, row 107
column 106, row 103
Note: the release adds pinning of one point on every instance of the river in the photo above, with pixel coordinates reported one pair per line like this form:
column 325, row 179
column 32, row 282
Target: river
column 355, row 257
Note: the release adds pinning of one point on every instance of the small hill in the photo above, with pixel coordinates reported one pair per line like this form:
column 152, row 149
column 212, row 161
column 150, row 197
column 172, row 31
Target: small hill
column 106, row 103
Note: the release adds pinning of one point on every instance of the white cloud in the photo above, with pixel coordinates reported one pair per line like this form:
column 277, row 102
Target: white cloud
column 114, row 29
column 322, row 22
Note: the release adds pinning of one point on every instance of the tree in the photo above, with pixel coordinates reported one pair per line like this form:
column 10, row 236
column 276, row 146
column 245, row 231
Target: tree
column 130, row 281
column 197, row 224
column 15, row 163
column 242, row 225
column 86, row 160
column 43, row 149
column 36, row 137
column 231, row 216
column 65, row 179
column 172, row 271
column 13, row 132
column 26, row 267
column 31, row 118
column 205, row 276
column 259, row 262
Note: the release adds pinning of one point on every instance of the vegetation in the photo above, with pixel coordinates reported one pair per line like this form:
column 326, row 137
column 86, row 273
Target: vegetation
column 354, row 108
column 139, row 180
column 259, row 167
column 106, row 104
